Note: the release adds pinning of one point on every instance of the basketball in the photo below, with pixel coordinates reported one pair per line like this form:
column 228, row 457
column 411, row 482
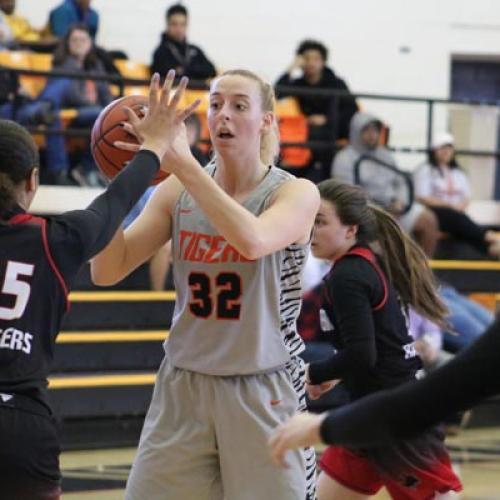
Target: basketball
column 107, row 129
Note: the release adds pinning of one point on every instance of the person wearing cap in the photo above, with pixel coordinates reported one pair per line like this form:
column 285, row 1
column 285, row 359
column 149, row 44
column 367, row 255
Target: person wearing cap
column 443, row 186
column 441, row 181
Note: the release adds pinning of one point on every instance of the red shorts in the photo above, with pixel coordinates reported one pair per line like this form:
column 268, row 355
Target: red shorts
column 359, row 474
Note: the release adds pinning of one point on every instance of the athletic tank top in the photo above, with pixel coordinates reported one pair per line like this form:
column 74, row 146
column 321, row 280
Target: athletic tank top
column 232, row 316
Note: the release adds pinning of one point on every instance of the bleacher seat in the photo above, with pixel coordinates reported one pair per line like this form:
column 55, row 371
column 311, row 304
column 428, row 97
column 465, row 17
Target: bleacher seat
column 38, row 62
column 133, row 69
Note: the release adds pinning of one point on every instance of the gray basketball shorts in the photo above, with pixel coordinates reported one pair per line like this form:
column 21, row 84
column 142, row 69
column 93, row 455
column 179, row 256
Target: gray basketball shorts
column 205, row 438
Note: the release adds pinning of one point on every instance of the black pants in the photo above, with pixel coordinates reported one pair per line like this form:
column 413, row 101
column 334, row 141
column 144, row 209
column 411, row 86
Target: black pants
column 460, row 226
column 29, row 451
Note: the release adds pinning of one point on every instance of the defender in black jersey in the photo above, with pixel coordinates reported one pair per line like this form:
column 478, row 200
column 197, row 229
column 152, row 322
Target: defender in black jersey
column 364, row 312
column 402, row 412
column 39, row 259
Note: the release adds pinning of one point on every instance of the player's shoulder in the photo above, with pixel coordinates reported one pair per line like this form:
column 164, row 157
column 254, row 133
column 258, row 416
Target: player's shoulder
column 352, row 269
column 287, row 184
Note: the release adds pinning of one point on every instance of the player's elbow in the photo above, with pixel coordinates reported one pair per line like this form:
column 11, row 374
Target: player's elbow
column 102, row 277
column 253, row 248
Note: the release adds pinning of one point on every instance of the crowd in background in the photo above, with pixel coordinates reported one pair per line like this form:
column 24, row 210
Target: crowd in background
column 352, row 146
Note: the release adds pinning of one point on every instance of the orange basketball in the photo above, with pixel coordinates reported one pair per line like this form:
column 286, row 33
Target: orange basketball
column 107, row 129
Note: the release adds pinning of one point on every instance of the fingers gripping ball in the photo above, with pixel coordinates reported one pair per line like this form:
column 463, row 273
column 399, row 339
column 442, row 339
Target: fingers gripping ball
column 108, row 129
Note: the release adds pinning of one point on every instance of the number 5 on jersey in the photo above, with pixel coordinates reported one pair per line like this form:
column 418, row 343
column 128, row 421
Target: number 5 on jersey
column 21, row 290
column 226, row 304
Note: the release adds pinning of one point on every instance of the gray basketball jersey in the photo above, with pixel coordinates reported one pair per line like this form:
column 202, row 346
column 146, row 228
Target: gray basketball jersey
column 232, row 316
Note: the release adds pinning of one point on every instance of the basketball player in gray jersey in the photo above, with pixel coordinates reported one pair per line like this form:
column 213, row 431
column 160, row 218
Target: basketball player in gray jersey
column 240, row 229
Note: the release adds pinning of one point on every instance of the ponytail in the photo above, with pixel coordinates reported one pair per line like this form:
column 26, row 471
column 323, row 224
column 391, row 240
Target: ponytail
column 405, row 264
column 18, row 157
column 407, row 268
column 270, row 144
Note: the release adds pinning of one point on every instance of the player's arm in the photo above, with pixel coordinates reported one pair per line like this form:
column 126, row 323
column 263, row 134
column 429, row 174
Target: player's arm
column 77, row 235
column 149, row 232
column 80, row 235
column 400, row 413
column 289, row 218
column 351, row 286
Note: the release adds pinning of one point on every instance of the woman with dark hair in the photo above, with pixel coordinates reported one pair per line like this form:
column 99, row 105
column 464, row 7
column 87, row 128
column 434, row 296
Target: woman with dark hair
column 39, row 260
column 76, row 53
column 364, row 308
column 444, row 187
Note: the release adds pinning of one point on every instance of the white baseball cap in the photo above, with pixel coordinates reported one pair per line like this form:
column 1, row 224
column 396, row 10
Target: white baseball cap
column 443, row 139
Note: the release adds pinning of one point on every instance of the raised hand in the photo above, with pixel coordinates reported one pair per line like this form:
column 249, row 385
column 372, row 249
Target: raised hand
column 163, row 120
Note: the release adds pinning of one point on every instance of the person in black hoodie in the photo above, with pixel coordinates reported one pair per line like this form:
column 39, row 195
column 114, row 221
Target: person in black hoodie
column 327, row 119
column 174, row 52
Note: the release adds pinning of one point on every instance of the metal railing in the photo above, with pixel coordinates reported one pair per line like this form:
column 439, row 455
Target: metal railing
column 337, row 95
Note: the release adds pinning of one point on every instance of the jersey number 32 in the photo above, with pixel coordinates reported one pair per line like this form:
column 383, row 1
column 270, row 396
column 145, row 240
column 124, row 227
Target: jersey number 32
column 220, row 295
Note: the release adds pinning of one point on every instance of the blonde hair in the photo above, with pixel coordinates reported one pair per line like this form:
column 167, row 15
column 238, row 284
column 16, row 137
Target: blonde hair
column 270, row 139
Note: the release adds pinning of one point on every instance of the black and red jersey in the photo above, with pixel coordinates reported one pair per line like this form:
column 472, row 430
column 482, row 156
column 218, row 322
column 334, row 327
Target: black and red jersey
column 33, row 299
column 39, row 261
column 361, row 313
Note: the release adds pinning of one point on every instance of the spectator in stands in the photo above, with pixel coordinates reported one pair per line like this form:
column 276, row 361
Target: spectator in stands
column 20, row 27
column 328, row 117
column 76, row 53
column 385, row 184
column 174, row 51
column 17, row 105
column 71, row 12
column 444, row 187
column 468, row 319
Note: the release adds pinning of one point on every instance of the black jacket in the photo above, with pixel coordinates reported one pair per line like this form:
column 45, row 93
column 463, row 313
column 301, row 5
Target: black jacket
column 324, row 105
column 188, row 60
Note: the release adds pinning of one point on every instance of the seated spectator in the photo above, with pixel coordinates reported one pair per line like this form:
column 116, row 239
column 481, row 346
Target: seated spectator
column 75, row 53
column 17, row 105
column 22, row 30
column 444, row 187
column 385, row 184
column 327, row 122
column 468, row 319
column 71, row 12
column 174, row 51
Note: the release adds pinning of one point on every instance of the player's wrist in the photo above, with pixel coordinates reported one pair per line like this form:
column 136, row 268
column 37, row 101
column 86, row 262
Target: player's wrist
column 153, row 147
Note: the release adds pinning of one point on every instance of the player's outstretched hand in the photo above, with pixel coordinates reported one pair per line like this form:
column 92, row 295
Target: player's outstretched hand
column 164, row 119
column 298, row 432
